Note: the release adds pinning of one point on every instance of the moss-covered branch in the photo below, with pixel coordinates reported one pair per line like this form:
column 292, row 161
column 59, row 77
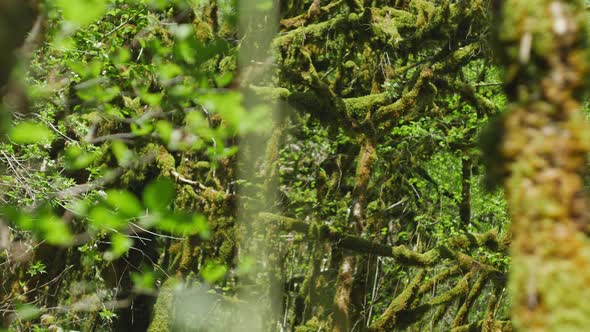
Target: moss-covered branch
column 407, row 316
column 498, row 325
column 387, row 321
column 476, row 289
column 401, row 253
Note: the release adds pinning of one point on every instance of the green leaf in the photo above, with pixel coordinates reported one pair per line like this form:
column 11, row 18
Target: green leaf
column 143, row 282
column 18, row 217
column 152, row 99
column 185, row 224
column 55, row 231
column 36, row 268
column 201, row 226
column 213, row 272
column 30, row 132
column 164, row 129
column 125, row 202
column 158, row 195
column 120, row 244
column 76, row 158
column 82, row 12
column 224, row 79
column 122, row 153
column 169, row 70
column 102, row 217
column 141, row 130
column 27, row 312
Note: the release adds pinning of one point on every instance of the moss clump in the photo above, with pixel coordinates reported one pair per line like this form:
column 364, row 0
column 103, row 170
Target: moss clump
column 165, row 162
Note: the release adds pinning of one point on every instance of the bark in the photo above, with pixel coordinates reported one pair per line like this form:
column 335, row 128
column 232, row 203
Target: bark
column 342, row 319
column 545, row 143
column 465, row 205
column 16, row 20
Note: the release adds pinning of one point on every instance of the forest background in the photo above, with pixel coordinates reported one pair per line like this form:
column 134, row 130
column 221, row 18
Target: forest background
column 225, row 165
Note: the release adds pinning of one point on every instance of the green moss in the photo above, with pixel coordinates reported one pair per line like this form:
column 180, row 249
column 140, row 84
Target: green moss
column 270, row 93
column 362, row 107
column 545, row 187
column 425, row 11
column 387, row 321
column 408, row 100
column 439, row 278
column 476, row 288
column 186, row 259
column 460, row 289
column 187, row 198
column 203, row 30
column 163, row 309
column 165, row 161
column 228, row 64
column 226, row 251
column 409, row 257
column 312, row 325
column 388, row 22
column 318, row 30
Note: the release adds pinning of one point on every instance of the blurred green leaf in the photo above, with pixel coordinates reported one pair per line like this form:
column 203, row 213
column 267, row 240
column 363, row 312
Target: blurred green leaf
column 82, row 12
column 152, row 99
column 120, row 244
column 159, row 194
column 125, row 202
column 185, row 224
column 18, row 217
column 54, row 230
column 122, row 153
column 169, row 70
column 76, row 158
column 27, row 312
column 144, row 281
column 201, row 226
column 102, row 217
column 141, row 130
column 29, row 132
column 213, row 272
column 224, row 79
column 164, row 129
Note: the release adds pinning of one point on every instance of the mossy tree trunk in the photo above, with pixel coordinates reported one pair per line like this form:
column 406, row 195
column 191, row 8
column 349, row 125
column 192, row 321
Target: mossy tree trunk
column 543, row 45
column 354, row 72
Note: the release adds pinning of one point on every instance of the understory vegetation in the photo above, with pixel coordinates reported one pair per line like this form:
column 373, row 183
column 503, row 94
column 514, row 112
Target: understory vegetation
column 293, row 165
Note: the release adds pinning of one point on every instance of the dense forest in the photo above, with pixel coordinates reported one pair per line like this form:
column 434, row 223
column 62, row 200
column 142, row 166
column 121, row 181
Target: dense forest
column 294, row 165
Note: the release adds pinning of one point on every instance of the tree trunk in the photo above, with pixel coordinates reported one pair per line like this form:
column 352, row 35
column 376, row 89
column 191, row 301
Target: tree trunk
column 542, row 45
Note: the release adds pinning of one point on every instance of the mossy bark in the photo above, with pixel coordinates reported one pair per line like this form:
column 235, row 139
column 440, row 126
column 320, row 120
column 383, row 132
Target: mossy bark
column 163, row 315
column 543, row 46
